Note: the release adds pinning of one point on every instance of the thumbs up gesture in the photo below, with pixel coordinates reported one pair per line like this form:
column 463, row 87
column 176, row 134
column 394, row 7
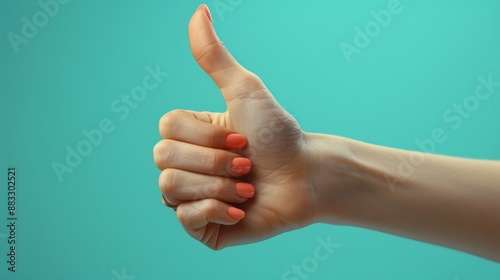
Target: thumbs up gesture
column 239, row 176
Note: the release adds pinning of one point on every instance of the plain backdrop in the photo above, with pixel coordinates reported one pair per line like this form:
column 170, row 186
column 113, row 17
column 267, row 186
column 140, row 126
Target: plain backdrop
column 103, row 219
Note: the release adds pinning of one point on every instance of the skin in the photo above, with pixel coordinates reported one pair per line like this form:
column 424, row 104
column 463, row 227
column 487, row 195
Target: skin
column 300, row 178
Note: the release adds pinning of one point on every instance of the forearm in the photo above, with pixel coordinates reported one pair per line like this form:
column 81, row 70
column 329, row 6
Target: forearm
column 437, row 199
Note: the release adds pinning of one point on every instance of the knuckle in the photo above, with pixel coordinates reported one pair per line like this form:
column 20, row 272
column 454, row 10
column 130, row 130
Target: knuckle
column 216, row 188
column 211, row 207
column 209, row 159
column 169, row 123
column 167, row 148
column 168, row 181
column 222, row 185
column 210, row 190
column 157, row 154
column 162, row 152
column 186, row 213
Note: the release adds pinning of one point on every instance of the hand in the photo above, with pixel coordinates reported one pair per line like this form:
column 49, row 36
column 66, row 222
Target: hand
column 196, row 156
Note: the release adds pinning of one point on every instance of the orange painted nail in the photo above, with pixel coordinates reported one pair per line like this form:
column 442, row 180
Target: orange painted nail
column 241, row 166
column 236, row 141
column 245, row 190
column 235, row 213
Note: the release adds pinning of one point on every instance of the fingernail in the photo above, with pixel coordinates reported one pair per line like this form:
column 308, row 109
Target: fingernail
column 235, row 213
column 241, row 166
column 245, row 190
column 236, row 141
column 206, row 10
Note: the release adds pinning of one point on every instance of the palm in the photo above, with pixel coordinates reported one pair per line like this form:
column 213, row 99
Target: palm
column 274, row 148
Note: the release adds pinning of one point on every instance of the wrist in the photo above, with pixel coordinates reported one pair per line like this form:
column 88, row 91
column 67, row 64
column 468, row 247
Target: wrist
column 330, row 175
column 346, row 177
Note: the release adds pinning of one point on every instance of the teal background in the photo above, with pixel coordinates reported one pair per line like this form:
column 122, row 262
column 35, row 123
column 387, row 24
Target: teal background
column 106, row 215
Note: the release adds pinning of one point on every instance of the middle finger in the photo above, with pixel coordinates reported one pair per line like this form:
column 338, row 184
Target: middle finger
column 184, row 156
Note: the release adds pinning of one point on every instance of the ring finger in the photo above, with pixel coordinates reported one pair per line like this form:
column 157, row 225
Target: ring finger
column 178, row 186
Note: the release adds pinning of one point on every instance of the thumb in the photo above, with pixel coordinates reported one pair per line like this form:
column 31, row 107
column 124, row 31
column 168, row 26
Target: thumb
column 234, row 81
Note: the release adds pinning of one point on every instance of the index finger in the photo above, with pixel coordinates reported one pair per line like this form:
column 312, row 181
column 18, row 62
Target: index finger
column 197, row 128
